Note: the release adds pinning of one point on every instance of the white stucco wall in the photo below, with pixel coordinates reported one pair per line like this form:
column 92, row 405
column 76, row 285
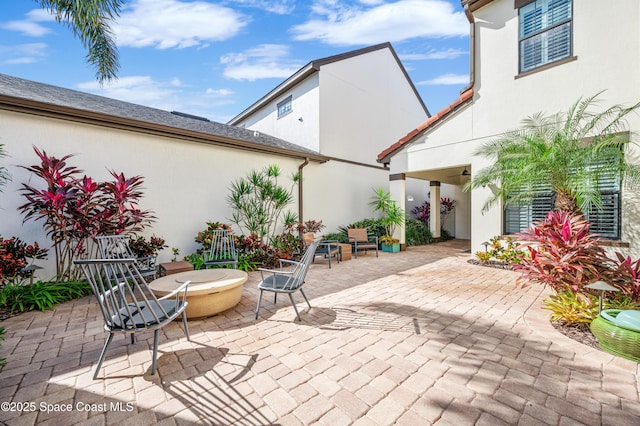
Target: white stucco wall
column 606, row 44
column 186, row 183
column 339, row 193
column 365, row 102
column 301, row 125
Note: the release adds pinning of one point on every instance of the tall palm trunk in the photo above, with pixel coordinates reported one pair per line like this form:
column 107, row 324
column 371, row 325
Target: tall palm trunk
column 566, row 202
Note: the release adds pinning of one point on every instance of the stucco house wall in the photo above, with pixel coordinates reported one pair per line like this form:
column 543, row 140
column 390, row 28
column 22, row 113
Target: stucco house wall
column 185, row 182
column 606, row 55
column 365, row 101
column 188, row 163
column 346, row 107
column 301, row 125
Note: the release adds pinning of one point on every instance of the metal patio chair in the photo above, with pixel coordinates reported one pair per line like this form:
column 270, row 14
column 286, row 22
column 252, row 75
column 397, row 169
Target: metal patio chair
column 127, row 303
column 326, row 248
column 223, row 250
column 288, row 279
column 117, row 247
column 361, row 241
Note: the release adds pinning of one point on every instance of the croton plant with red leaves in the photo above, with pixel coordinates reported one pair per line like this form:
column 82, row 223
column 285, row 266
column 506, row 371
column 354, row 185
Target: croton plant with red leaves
column 564, row 255
column 76, row 209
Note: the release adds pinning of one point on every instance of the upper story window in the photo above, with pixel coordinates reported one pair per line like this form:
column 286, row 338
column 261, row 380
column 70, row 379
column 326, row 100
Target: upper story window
column 545, row 32
column 284, row 107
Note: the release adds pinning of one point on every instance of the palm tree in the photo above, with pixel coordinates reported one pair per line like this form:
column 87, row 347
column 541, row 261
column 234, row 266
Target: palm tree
column 570, row 153
column 89, row 21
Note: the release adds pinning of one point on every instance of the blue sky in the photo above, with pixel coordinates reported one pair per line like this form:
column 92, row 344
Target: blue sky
column 215, row 58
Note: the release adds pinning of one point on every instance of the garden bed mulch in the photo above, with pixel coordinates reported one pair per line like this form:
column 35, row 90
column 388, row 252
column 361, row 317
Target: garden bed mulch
column 490, row 264
column 580, row 334
column 6, row 313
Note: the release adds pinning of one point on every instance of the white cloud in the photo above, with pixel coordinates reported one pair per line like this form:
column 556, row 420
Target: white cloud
column 446, row 79
column 219, row 93
column 263, row 61
column 23, row 53
column 137, row 89
column 30, row 26
column 439, row 54
column 342, row 24
column 173, row 23
column 170, row 95
column 280, row 7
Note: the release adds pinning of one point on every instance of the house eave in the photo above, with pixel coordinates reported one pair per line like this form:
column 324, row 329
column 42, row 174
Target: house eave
column 474, row 5
column 444, row 114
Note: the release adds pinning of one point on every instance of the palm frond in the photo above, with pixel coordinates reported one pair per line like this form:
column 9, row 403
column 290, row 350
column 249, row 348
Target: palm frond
column 89, row 21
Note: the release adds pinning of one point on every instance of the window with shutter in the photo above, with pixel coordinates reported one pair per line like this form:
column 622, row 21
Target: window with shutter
column 605, row 221
column 545, row 32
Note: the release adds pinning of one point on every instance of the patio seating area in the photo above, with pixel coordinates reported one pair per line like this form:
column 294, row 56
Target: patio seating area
column 417, row 337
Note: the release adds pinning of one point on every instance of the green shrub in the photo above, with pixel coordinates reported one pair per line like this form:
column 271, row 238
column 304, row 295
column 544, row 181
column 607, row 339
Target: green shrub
column 196, row 259
column 505, row 250
column 373, row 227
column 572, row 308
column 204, row 237
column 417, row 233
column 2, row 360
column 622, row 302
column 258, row 202
column 341, row 237
column 41, row 295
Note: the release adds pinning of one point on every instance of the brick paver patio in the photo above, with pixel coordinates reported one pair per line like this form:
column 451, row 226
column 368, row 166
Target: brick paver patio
column 420, row 337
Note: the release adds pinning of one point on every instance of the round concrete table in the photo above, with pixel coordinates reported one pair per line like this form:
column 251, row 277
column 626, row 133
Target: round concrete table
column 210, row 291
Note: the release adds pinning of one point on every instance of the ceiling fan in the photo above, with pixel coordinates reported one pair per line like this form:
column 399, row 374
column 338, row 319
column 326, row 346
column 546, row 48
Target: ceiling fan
column 465, row 172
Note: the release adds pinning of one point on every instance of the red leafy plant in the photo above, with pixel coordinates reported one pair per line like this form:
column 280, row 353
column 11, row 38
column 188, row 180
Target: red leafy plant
column 76, row 209
column 142, row 247
column 13, row 259
column 626, row 277
column 423, row 211
column 260, row 253
column 562, row 254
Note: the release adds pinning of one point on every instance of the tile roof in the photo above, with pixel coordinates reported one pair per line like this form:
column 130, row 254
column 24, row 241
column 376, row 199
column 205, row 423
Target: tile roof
column 38, row 98
column 386, row 155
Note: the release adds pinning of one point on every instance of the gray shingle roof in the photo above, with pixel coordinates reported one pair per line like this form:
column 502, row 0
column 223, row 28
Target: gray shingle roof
column 57, row 96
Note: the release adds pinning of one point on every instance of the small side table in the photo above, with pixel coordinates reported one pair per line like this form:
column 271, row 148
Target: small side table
column 170, row 268
column 345, row 251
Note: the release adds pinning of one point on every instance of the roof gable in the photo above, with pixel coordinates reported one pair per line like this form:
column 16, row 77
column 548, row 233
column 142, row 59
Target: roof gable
column 314, row 67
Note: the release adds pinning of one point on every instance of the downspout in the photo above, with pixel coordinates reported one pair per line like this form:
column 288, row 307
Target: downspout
column 300, row 191
column 472, row 47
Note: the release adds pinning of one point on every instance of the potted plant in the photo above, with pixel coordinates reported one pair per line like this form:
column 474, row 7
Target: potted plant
column 392, row 217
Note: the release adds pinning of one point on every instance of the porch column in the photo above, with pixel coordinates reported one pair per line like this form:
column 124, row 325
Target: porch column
column 434, row 217
column 397, row 188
